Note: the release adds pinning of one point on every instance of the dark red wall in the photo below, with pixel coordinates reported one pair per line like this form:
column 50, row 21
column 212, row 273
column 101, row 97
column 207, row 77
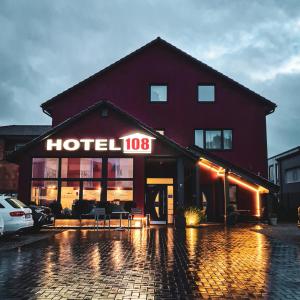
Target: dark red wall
column 127, row 86
column 246, row 199
column 92, row 126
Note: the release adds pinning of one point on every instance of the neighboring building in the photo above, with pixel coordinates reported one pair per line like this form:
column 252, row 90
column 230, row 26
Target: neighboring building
column 284, row 170
column 158, row 128
column 12, row 138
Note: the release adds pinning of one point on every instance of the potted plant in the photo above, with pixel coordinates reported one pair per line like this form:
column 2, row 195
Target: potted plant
column 194, row 216
column 273, row 219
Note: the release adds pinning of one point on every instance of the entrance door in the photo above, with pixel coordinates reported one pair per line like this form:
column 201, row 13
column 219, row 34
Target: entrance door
column 156, row 202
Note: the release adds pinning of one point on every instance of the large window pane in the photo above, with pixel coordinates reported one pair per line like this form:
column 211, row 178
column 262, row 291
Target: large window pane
column 119, row 191
column 120, row 168
column 44, row 167
column 90, row 167
column 81, row 168
column 91, row 195
column 199, row 138
column 44, row 192
column 158, row 93
column 227, row 139
column 213, row 139
column 70, row 168
column 69, row 197
column 91, row 190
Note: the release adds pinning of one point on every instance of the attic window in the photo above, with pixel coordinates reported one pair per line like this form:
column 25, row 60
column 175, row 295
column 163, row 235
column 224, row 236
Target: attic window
column 206, row 93
column 104, row 112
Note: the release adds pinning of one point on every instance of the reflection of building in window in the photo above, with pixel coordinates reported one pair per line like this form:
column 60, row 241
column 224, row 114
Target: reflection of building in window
column 158, row 93
column 213, row 139
column 44, row 167
column 81, row 168
column 120, row 168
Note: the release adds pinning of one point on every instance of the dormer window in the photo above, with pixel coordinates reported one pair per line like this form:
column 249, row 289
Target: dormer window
column 206, row 93
column 158, row 93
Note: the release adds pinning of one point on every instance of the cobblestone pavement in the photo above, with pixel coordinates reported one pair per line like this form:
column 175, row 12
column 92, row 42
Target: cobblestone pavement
column 156, row 263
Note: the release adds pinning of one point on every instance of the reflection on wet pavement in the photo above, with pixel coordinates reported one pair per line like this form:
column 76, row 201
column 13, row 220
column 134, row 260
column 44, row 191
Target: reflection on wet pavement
column 156, row 263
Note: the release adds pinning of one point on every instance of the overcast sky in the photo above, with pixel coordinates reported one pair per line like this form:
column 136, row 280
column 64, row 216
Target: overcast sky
column 48, row 46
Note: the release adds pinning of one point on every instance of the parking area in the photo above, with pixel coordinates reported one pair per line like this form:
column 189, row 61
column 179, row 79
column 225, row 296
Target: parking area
column 153, row 263
column 16, row 241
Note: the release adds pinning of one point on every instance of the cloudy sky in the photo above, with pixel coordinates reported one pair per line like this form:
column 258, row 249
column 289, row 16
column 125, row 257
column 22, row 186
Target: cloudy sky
column 48, row 46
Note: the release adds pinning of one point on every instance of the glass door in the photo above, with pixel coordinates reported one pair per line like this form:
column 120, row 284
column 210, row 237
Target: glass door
column 156, row 202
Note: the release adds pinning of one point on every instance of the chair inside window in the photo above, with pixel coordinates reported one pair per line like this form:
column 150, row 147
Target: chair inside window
column 134, row 212
column 99, row 214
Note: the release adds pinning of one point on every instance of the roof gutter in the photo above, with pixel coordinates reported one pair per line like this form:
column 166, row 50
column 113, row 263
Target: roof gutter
column 46, row 112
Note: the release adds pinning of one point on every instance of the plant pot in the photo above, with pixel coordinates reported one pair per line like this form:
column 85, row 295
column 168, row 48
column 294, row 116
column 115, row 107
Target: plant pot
column 273, row 221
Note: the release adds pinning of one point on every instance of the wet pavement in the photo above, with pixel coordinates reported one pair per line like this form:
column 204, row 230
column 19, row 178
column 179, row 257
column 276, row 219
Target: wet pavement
column 156, row 263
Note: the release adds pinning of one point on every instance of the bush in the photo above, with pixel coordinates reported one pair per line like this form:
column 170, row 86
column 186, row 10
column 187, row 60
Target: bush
column 194, row 216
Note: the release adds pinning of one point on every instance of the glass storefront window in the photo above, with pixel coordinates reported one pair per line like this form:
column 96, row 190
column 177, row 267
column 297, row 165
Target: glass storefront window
column 81, row 168
column 91, row 191
column 69, row 197
column 77, row 189
column 119, row 191
column 44, row 167
column 44, row 192
column 120, row 168
column 91, row 196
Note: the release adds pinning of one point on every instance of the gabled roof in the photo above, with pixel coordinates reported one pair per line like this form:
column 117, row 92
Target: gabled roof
column 159, row 41
column 194, row 153
column 23, row 130
column 98, row 105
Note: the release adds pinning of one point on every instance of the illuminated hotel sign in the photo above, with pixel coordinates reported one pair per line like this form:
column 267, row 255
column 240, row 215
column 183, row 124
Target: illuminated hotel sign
column 133, row 143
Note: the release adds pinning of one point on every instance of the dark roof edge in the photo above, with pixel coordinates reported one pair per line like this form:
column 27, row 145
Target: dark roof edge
column 271, row 104
column 95, row 106
column 252, row 177
column 286, row 153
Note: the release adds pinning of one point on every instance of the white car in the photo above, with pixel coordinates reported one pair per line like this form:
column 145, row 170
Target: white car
column 16, row 215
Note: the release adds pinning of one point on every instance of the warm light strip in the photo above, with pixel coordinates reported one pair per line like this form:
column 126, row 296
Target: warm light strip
column 208, row 166
column 258, row 212
column 240, row 182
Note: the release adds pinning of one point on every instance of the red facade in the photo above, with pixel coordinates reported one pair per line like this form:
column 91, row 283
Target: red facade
column 78, row 114
column 126, row 84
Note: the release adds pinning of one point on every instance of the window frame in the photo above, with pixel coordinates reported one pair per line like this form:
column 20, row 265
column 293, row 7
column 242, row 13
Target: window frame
column 222, row 138
column 291, row 169
column 103, row 180
column 206, row 84
column 158, row 84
